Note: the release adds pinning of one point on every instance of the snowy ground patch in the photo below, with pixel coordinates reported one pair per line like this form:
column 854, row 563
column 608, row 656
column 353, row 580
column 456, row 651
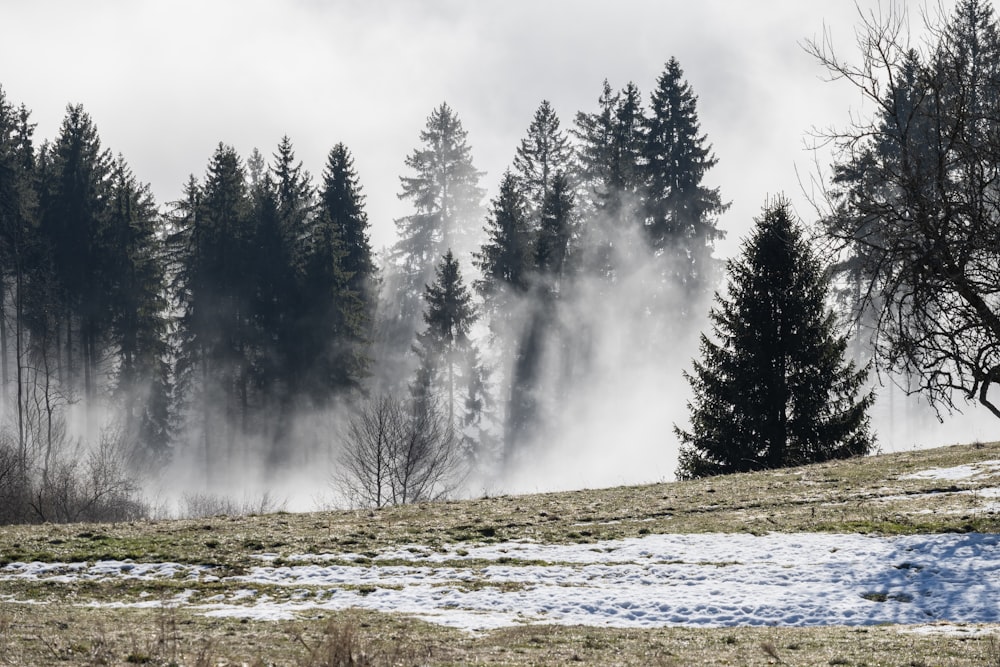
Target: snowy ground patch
column 704, row 580
column 958, row 473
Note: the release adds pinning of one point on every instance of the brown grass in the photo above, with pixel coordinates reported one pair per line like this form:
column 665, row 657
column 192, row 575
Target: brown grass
column 50, row 623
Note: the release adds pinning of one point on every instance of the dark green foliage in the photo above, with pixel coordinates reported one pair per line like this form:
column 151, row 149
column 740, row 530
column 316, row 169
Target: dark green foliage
column 74, row 209
column 275, row 289
column 773, row 389
column 506, row 259
column 443, row 347
column 342, row 204
column 216, row 290
column 18, row 215
column 138, row 315
column 680, row 210
column 556, row 231
column 444, row 190
column 340, row 284
column 542, row 154
column 282, row 217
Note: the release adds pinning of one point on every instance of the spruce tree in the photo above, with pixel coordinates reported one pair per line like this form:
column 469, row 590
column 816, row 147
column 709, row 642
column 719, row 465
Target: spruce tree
column 594, row 133
column 443, row 347
column 18, row 217
column 539, row 338
column 74, row 208
column 542, row 154
column 505, row 259
column 138, row 316
column 282, row 219
column 611, row 173
column 444, row 190
column 446, row 197
column 611, row 154
column 215, row 288
column 556, row 233
column 680, row 211
column 774, row 388
column 343, row 203
column 340, row 281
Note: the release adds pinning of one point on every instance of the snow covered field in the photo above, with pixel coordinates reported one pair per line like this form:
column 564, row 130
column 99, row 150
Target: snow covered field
column 693, row 580
column 697, row 580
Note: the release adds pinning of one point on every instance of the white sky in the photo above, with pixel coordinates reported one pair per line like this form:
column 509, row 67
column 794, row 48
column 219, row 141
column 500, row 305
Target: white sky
column 166, row 81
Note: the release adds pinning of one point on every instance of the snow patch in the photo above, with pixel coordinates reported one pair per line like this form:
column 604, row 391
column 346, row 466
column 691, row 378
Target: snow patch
column 707, row 580
column 957, row 473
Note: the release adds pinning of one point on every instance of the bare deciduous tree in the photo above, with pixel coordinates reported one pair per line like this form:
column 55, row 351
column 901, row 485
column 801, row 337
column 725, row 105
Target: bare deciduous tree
column 915, row 201
column 397, row 452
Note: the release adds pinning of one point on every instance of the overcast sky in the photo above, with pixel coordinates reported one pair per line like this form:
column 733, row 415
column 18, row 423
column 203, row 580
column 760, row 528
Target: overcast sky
column 166, row 81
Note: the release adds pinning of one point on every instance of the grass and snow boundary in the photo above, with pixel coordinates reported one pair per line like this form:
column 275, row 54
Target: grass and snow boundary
column 835, row 563
column 707, row 580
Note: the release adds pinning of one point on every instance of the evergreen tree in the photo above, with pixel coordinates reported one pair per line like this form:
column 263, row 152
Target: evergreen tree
column 542, row 154
column 74, row 212
column 283, row 217
column 215, row 288
column 443, row 347
column 612, row 142
column 446, row 197
column 18, row 215
column 505, row 259
column 556, row 232
column 340, row 284
column 968, row 62
column 445, row 193
column 478, row 433
column 507, row 266
column 342, row 201
column 775, row 389
column 540, row 340
column 139, row 316
column 680, row 211
column 594, row 133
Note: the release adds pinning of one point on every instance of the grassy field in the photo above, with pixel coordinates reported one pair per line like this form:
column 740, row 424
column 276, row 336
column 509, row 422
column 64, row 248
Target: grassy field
column 83, row 622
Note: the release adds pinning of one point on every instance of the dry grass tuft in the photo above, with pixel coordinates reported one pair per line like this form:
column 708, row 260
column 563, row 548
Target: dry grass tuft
column 771, row 651
column 341, row 645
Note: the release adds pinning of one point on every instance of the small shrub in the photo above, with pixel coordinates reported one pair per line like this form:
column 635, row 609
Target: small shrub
column 204, row 505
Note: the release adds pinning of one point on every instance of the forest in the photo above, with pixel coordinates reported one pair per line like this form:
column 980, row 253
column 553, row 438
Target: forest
column 252, row 323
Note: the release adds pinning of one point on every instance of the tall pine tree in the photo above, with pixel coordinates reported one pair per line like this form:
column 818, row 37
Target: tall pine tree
column 138, row 315
column 446, row 197
column 774, row 388
column 506, row 259
column 215, row 288
column 542, row 154
column 443, row 347
column 340, row 285
column 681, row 211
column 444, row 191
column 75, row 197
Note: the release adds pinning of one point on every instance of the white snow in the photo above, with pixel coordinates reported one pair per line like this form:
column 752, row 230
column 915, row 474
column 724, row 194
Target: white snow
column 706, row 580
column 948, row 629
column 957, row 473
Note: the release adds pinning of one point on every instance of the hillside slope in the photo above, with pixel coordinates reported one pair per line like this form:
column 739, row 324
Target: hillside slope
column 905, row 539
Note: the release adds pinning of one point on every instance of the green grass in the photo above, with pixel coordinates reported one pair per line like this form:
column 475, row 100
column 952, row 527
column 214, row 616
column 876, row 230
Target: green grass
column 56, row 623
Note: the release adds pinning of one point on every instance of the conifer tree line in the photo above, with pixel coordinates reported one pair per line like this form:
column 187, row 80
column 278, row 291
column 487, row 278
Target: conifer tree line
column 193, row 325
column 208, row 326
column 257, row 296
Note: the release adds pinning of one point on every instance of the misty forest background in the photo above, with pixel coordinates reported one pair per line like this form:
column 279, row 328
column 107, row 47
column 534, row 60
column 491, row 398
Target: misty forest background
column 252, row 325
